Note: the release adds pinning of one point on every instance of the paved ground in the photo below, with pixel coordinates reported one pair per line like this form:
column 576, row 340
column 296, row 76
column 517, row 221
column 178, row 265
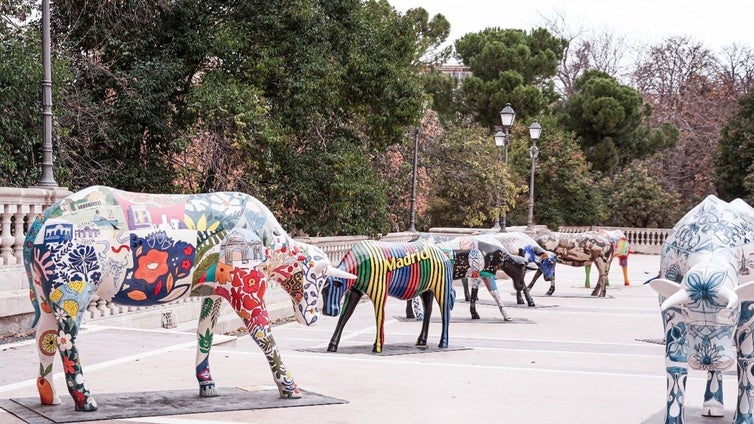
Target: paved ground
column 572, row 358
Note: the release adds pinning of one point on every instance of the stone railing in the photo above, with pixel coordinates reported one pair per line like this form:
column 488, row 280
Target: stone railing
column 640, row 240
column 18, row 208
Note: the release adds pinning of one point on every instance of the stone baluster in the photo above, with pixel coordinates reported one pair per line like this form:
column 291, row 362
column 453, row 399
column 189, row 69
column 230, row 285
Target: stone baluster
column 6, row 236
column 18, row 233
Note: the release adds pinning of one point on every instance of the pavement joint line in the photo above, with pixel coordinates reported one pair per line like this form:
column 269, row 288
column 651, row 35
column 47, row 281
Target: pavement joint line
column 368, row 357
column 105, row 364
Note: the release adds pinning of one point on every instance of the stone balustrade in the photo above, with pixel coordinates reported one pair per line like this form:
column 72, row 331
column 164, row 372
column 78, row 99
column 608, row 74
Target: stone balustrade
column 640, row 240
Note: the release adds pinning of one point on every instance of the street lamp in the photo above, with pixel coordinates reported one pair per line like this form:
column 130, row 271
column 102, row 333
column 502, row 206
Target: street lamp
column 507, row 115
column 535, row 130
column 411, row 221
column 47, row 179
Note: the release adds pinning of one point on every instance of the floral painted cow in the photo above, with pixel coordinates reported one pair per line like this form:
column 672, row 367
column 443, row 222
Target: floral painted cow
column 579, row 249
column 620, row 251
column 151, row 249
column 522, row 245
column 400, row 270
column 707, row 304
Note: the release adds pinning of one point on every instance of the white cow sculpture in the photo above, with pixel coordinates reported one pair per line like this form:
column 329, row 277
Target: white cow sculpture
column 148, row 249
column 707, row 304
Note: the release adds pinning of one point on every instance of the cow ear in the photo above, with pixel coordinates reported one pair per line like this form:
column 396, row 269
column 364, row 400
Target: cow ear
column 663, row 287
column 745, row 292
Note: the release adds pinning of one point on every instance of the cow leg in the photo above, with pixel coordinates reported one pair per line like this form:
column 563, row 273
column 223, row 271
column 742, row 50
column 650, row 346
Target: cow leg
column 68, row 313
column 474, row 298
column 280, row 374
column 417, row 310
column 675, row 411
column 352, row 298
column 47, row 346
column 410, row 309
column 744, row 406
column 465, row 283
column 499, row 300
column 587, row 270
column 520, row 286
column 379, row 316
column 534, row 280
column 600, row 289
column 427, row 302
column 713, row 395
column 623, row 262
column 204, row 333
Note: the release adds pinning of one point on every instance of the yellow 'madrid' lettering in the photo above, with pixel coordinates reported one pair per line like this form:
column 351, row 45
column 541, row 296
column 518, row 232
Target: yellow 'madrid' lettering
column 412, row 258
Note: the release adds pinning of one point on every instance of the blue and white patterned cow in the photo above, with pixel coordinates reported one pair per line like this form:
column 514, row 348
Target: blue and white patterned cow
column 707, row 304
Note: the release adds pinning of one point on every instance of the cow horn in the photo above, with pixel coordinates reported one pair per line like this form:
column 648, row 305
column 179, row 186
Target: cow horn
column 730, row 295
column 679, row 297
column 337, row 272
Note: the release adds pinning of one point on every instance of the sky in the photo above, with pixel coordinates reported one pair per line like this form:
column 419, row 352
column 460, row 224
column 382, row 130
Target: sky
column 642, row 22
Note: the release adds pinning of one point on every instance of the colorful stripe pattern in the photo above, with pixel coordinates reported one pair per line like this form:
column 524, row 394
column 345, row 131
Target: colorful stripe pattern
column 400, row 270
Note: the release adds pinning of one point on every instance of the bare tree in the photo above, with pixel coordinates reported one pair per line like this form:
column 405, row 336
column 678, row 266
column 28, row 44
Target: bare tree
column 678, row 77
column 735, row 68
column 587, row 49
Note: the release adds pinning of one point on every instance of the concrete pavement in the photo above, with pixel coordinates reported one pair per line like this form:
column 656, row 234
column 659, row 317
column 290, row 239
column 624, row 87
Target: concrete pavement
column 572, row 358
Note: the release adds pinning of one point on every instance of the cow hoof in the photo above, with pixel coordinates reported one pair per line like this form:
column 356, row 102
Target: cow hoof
column 332, row 348
column 290, row 394
column 474, row 315
column 208, row 391
column 89, row 406
column 520, row 301
column 551, row 291
column 713, row 411
column 531, row 304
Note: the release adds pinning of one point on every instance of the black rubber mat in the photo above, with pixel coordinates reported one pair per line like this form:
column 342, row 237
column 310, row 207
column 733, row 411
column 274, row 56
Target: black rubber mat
column 693, row 416
column 151, row 404
column 388, row 349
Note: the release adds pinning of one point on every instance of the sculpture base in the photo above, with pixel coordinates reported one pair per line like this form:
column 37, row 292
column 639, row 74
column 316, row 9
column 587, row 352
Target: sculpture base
column 693, row 416
column 389, row 349
column 151, row 404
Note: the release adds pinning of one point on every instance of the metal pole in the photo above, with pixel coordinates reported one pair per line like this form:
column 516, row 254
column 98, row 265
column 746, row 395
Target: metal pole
column 412, row 221
column 533, row 152
column 505, row 200
column 47, row 180
column 497, row 197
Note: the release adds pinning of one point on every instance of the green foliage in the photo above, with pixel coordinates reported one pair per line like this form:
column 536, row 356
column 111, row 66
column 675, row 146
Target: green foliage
column 735, row 160
column 509, row 66
column 466, row 176
column 635, row 198
column 565, row 187
column 608, row 119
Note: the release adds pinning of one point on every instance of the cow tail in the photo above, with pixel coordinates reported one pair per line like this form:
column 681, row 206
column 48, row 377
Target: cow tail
column 31, row 235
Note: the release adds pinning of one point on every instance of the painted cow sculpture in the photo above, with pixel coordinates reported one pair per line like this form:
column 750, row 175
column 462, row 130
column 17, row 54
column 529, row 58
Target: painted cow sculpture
column 522, row 245
column 152, row 249
column 620, row 251
column 578, row 249
column 707, row 304
column 478, row 258
column 400, row 270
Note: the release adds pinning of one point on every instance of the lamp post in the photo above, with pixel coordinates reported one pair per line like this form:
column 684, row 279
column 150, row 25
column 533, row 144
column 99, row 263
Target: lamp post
column 507, row 115
column 411, row 220
column 47, row 180
column 535, row 130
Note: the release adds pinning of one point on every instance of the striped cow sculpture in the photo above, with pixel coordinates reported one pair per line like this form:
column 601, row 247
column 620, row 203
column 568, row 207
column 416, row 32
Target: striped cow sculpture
column 400, row 270
column 152, row 249
column 707, row 304
column 579, row 249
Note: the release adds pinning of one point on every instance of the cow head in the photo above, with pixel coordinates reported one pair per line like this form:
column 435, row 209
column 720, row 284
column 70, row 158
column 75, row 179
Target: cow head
column 544, row 259
column 332, row 295
column 709, row 302
column 305, row 285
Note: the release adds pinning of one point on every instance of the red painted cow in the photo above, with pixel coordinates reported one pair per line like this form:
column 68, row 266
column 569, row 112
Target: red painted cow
column 151, row 249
